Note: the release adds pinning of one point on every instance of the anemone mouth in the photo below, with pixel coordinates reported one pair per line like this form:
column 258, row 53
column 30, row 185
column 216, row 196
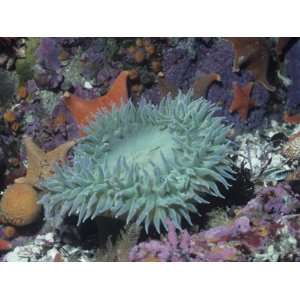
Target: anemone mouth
column 142, row 147
column 146, row 164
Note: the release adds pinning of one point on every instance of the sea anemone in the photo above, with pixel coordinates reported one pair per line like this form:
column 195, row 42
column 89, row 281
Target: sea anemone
column 146, row 163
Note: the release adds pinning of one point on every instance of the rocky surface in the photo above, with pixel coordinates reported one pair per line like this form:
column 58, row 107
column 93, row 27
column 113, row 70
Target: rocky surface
column 35, row 77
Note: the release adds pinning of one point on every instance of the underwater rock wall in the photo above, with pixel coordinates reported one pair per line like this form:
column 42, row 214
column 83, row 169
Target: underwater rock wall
column 39, row 75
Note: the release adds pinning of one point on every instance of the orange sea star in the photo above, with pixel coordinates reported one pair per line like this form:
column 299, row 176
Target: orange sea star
column 291, row 119
column 41, row 163
column 254, row 54
column 242, row 102
column 84, row 110
column 202, row 84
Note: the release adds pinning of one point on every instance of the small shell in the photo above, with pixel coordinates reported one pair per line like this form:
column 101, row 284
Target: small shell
column 292, row 149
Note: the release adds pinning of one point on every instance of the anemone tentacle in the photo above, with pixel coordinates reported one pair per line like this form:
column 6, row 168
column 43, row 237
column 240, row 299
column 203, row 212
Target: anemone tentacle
column 145, row 164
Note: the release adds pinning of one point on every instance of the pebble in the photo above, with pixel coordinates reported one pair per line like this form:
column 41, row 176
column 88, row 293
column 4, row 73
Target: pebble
column 87, row 85
column 278, row 139
column 46, row 248
column 16, row 255
column 51, row 254
column 257, row 146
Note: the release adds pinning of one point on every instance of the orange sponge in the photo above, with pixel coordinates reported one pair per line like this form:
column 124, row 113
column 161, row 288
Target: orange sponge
column 19, row 205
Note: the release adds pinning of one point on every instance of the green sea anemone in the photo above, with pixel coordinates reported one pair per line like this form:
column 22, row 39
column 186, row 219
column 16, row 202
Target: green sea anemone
column 145, row 164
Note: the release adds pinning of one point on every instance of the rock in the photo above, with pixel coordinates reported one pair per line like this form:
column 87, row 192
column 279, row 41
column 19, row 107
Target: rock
column 14, row 256
column 278, row 139
column 47, row 248
column 87, row 85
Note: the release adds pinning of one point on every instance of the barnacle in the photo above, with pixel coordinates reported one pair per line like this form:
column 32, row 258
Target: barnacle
column 146, row 164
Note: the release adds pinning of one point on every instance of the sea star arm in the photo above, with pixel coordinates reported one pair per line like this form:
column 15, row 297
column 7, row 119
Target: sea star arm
column 202, row 84
column 59, row 154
